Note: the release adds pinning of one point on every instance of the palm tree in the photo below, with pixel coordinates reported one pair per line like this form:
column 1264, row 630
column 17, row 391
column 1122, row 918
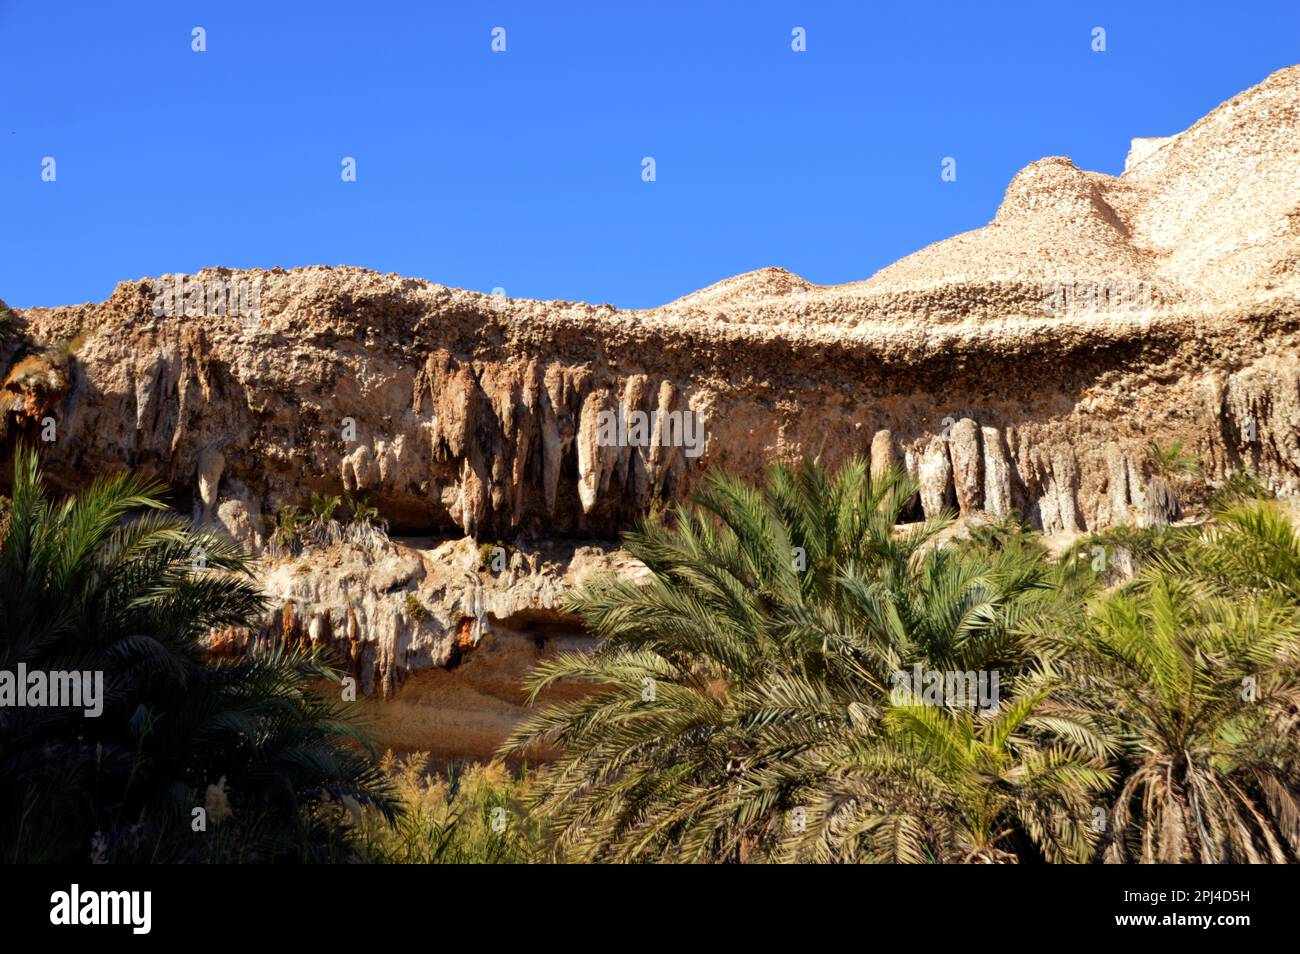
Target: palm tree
column 1202, row 685
column 287, row 528
column 111, row 582
column 362, row 512
column 322, row 528
column 948, row 784
column 365, row 529
column 1169, row 465
column 753, row 667
column 1251, row 545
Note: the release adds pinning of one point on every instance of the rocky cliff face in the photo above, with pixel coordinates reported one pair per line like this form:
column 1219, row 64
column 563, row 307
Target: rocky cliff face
column 439, row 635
column 1021, row 367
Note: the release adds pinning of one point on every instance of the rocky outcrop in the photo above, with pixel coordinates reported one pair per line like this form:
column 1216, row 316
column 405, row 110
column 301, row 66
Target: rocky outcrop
column 934, row 477
column 964, row 449
column 438, row 635
column 1021, row 367
column 997, row 473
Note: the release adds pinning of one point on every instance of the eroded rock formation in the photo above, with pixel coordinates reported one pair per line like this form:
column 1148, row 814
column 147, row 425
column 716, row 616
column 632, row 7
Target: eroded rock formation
column 445, row 625
column 1092, row 315
column 1023, row 367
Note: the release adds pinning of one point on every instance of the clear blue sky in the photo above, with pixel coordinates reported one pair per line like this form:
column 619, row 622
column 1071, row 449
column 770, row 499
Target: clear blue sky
column 522, row 169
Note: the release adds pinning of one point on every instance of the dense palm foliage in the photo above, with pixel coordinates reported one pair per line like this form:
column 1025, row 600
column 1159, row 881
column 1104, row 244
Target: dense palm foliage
column 111, row 582
column 746, row 706
column 797, row 677
column 1202, row 689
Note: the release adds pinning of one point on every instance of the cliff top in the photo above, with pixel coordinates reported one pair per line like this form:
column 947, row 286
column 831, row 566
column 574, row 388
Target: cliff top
column 1205, row 222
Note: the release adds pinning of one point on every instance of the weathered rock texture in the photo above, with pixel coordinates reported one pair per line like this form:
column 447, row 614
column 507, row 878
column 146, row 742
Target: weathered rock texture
column 442, row 633
column 1024, row 365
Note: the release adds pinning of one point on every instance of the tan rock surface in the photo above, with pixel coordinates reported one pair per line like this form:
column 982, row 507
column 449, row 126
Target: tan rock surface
column 1092, row 315
column 478, row 414
column 438, row 639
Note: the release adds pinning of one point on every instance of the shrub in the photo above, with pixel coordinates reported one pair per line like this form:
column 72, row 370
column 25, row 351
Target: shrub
column 474, row 815
column 415, row 609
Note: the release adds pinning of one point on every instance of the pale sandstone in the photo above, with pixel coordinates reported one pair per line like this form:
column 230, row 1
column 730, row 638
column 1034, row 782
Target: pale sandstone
column 997, row 474
column 964, row 450
column 934, row 475
column 476, row 415
column 883, row 456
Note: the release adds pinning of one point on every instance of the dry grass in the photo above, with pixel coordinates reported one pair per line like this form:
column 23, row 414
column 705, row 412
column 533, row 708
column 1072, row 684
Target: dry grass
column 464, row 815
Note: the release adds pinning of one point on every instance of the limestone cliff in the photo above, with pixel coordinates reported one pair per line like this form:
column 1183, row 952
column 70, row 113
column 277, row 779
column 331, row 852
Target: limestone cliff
column 439, row 635
column 1024, row 366
column 1092, row 315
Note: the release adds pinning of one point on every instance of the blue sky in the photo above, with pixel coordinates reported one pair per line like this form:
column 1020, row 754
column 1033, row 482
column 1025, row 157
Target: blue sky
column 523, row 170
